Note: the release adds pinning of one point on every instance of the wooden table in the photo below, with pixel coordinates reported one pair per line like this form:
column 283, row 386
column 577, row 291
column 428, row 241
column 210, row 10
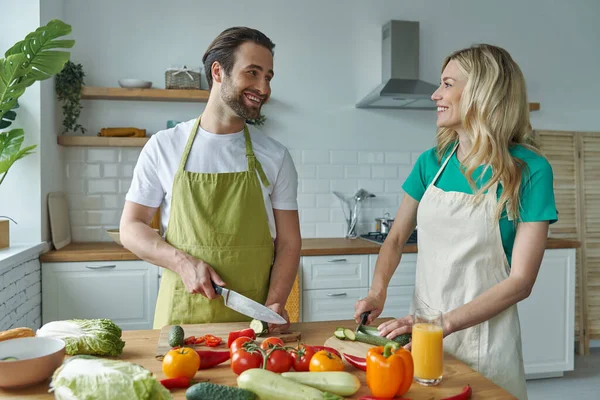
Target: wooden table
column 140, row 348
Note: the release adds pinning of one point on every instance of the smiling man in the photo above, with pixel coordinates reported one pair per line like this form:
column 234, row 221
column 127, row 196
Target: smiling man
column 228, row 195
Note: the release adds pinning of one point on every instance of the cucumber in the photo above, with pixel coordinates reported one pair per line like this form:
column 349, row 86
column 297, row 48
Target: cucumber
column 344, row 333
column 268, row 385
column 207, row 390
column 176, row 336
column 336, row 382
column 402, row 340
column 259, row 327
column 372, row 339
column 9, row 359
column 340, row 334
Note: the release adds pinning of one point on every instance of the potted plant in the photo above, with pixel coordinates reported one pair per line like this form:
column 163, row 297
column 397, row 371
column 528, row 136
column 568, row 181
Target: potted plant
column 33, row 59
column 69, row 82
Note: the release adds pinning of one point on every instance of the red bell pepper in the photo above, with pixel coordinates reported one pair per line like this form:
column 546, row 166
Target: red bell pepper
column 381, row 398
column 329, row 349
column 356, row 362
column 464, row 395
column 176, row 383
column 236, row 334
column 209, row 359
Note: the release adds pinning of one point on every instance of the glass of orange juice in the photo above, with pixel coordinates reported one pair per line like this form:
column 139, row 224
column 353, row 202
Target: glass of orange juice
column 428, row 346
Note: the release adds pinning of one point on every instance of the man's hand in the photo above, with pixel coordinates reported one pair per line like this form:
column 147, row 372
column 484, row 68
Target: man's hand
column 197, row 276
column 279, row 309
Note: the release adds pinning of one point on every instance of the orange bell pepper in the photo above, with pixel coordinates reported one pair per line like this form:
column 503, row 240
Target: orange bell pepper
column 389, row 370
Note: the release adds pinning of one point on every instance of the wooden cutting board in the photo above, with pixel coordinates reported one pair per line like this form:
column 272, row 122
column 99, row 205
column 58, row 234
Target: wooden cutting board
column 357, row 349
column 219, row 329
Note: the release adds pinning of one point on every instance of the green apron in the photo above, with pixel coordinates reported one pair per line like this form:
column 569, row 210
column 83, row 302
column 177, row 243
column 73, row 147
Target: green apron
column 219, row 218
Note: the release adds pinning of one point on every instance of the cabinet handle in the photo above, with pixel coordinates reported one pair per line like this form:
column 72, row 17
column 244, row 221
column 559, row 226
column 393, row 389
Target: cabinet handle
column 337, row 260
column 101, row 267
column 337, row 294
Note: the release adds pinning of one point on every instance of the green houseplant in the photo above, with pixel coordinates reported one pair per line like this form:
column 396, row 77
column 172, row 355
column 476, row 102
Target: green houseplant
column 69, row 82
column 33, row 59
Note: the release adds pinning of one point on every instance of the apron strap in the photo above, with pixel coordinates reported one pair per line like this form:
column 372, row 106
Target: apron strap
column 188, row 146
column 253, row 163
column 443, row 166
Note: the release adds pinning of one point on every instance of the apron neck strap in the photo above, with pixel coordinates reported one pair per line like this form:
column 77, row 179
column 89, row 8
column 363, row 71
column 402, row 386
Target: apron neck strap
column 253, row 164
column 188, row 145
column 443, row 165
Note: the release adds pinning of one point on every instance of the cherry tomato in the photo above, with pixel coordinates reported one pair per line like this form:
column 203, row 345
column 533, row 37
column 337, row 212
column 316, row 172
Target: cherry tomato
column 301, row 357
column 182, row 362
column 279, row 361
column 243, row 360
column 238, row 343
column 268, row 343
column 325, row 361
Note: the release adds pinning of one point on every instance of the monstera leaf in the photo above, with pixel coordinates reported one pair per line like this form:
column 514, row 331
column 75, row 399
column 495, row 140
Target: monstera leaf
column 11, row 151
column 33, row 59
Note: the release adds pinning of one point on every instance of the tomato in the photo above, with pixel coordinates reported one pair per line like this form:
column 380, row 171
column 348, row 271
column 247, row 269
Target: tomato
column 279, row 361
column 268, row 343
column 301, row 357
column 243, row 360
column 182, row 362
column 325, row 361
column 238, row 343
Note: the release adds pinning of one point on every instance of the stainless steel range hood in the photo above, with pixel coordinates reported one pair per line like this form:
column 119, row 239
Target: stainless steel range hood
column 401, row 87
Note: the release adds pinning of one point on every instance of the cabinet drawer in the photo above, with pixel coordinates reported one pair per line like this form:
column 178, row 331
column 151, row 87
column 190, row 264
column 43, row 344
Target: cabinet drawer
column 123, row 291
column 330, row 305
column 397, row 304
column 331, row 272
column 404, row 275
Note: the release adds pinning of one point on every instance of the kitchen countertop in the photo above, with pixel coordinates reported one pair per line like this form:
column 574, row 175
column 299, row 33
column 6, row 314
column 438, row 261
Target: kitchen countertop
column 110, row 251
column 140, row 348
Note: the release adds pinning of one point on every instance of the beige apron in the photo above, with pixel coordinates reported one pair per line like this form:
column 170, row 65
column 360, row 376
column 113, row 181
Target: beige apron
column 219, row 218
column 461, row 256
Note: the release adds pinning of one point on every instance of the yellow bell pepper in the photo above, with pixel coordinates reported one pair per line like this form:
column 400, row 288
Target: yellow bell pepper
column 389, row 370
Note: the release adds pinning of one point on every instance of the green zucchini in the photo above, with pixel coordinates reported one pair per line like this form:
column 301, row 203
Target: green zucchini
column 207, row 390
column 9, row 359
column 336, row 382
column 372, row 339
column 259, row 327
column 402, row 340
column 176, row 336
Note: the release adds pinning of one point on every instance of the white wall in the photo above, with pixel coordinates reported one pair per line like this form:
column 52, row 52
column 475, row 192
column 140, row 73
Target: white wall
column 327, row 57
column 20, row 191
column 21, row 296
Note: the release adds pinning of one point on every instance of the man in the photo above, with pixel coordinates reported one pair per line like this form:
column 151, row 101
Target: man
column 228, row 195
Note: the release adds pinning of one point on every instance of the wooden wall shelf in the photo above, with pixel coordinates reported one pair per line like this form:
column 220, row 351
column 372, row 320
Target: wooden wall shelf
column 117, row 93
column 102, row 141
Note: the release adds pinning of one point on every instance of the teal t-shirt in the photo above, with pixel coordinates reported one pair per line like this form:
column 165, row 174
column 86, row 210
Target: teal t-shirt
column 537, row 192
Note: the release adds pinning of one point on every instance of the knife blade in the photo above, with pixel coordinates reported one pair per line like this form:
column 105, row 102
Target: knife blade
column 363, row 319
column 247, row 306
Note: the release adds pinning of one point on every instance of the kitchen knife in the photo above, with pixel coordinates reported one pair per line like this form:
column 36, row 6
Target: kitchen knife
column 248, row 307
column 363, row 320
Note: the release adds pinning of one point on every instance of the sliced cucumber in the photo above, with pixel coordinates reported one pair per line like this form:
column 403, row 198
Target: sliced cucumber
column 259, row 327
column 402, row 340
column 340, row 335
column 9, row 359
column 350, row 335
column 372, row 339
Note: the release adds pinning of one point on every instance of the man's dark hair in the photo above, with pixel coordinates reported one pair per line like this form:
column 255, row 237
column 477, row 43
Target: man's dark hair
column 223, row 48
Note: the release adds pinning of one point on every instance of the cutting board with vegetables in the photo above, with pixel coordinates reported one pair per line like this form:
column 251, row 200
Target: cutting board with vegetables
column 357, row 349
column 221, row 330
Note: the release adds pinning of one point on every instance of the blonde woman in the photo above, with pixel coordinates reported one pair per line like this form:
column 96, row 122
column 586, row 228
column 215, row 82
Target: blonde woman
column 482, row 200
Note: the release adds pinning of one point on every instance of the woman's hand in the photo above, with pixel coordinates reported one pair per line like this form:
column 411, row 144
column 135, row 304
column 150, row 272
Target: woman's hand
column 395, row 327
column 371, row 303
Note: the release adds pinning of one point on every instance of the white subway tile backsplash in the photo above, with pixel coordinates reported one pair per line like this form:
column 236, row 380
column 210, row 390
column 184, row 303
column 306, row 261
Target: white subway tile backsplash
column 101, row 155
column 393, row 185
column 345, row 186
column 74, row 154
column 315, row 157
column 124, row 185
column 331, row 229
column 357, row 171
column 306, row 171
column 306, row 200
column 75, row 186
column 89, row 234
column 129, row 155
column 370, row 157
column 330, row 171
column 403, row 172
column 77, row 218
column 107, row 217
column 375, row 186
column 77, row 170
column 296, row 156
column 127, row 170
column 315, row 186
column 397, row 157
column 102, row 186
column 112, row 201
column 343, row 157
column 384, row 171
column 84, row 201
column 308, row 230
column 315, row 215
column 414, row 157
column 327, row 201
column 337, row 215
column 111, row 171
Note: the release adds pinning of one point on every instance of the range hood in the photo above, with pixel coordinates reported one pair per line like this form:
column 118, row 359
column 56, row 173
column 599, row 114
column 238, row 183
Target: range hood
column 401, row 87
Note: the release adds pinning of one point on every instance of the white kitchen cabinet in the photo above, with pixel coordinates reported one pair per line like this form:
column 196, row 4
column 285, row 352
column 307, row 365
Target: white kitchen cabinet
column 401, row 287
column 548, row 317
column 123, row 291
column 330, row 304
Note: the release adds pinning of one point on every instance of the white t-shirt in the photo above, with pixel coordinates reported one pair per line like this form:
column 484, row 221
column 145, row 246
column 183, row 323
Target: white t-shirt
column 155, row 170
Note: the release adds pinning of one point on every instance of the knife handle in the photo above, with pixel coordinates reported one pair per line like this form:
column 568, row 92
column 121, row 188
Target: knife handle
column 364, row 316
column 218, row 289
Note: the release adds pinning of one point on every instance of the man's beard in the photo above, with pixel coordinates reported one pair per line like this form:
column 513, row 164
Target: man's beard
column 236, row 102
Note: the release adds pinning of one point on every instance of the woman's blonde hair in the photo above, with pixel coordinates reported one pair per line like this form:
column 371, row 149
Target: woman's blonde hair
column 495, row 113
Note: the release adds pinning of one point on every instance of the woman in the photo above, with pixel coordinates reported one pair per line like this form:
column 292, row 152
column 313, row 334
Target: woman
column 482, row 200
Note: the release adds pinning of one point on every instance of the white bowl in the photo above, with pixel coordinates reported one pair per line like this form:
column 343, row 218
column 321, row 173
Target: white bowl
column 134, row 83
column 37, row 359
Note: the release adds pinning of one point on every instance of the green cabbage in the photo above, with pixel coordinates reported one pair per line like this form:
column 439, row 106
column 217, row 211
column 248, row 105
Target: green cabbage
column 86, row 377
column 100, row 337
